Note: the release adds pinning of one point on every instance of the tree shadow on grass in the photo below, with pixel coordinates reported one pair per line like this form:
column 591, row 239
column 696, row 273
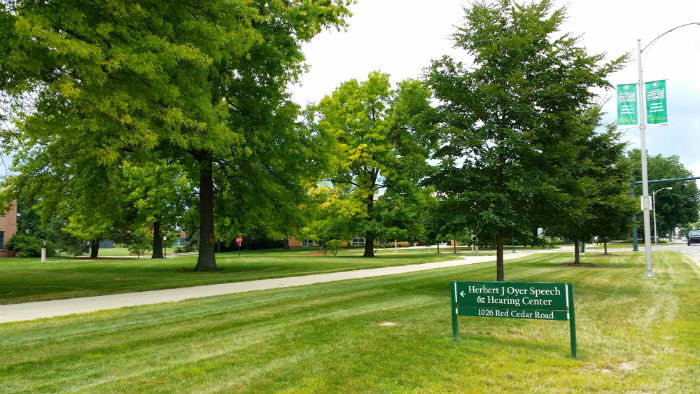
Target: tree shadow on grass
column 581, row 265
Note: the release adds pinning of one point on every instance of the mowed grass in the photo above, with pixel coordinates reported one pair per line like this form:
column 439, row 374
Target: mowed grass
column 634, row 335
column 25, row 280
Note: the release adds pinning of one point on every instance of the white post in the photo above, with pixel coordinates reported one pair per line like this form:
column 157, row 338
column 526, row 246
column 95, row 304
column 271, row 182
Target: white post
column 43, row 251
column 396, row 249
column 653, row 202
column 645, row 178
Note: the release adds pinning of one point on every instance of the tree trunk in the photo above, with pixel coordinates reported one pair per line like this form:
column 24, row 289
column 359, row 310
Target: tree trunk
column 605, row 246
column 438, row 246
column 500, row 276
column 285, row 246
column 454, row 246
column 157, row 241
column 369, row 237
column 206, row 261
column 577, row 257
column 94, row 248
column 534, row 238
column 369, row 245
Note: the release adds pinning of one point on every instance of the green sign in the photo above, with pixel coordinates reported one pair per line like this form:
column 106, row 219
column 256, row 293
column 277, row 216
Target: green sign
column 514, row 300
column 657, row 112
column 627, row 104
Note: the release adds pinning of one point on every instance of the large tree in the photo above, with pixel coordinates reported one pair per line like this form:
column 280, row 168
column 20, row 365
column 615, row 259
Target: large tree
column 612, row 206
column 676, row 207
column 122, row 80
column 508, row 117
column 592, row 191
column 381, row 137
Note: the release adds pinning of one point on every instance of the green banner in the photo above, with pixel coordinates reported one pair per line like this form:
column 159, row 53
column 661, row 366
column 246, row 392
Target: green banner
column 627, row 104
column 657, row 111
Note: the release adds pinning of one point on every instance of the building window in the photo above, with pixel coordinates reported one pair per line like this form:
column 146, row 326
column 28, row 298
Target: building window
column 2, row 240
column 308, row 242
column 358, row 241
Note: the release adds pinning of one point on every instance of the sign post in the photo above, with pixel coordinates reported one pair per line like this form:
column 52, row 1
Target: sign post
column 516, row 300
column 239, row 241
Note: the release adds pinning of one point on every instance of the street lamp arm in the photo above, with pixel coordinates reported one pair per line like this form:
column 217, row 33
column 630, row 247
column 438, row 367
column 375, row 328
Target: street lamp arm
column 664, row 33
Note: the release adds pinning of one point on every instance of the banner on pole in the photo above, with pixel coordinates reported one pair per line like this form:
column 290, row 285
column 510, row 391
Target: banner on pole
column 627, row 104
column 657, row 111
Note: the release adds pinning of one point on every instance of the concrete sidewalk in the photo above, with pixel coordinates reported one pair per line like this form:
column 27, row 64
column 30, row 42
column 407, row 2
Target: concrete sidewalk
column 45, row 309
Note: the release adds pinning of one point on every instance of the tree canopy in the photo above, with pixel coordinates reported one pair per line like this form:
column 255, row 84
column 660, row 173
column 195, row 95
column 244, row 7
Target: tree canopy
column 201, row 84
column 509, row 117
column 379, row 138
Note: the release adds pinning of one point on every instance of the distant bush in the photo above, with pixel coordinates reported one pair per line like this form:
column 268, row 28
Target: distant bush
column 186, row 248
column 26, row 245
column 401, row 244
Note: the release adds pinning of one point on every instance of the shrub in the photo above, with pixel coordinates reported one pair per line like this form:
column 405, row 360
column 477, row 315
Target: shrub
column 401, row 244
column 333, row 245
column 185, row 248
column 26, row 245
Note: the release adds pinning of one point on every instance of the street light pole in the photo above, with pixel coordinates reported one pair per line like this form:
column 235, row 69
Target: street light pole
column 653, row 200
column 642, row 128
column 645, row 178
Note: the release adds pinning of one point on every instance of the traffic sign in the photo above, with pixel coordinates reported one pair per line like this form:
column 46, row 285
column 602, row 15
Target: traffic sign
column 239, row 240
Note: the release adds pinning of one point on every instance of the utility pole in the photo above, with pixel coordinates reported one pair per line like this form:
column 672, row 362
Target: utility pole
column 646, row 203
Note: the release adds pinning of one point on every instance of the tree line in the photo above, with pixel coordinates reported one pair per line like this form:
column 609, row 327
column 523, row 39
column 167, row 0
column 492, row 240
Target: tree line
column 132, row 120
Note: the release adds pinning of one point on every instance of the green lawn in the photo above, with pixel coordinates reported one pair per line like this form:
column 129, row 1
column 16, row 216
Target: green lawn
column 625, row 245
column 24, row 280
column 635, row 335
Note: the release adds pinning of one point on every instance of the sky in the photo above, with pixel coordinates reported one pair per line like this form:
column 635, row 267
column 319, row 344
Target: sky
column 401, row 37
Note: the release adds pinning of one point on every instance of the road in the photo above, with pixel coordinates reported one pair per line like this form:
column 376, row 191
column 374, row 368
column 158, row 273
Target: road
column 692, row 251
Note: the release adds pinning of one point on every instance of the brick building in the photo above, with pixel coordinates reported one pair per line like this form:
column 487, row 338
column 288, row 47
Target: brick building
column 8, row 228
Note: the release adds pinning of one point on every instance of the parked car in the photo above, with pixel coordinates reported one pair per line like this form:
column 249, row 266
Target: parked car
column 693, row 237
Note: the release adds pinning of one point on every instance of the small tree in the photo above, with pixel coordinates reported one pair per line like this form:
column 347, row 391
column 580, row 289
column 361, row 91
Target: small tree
column 334, row 246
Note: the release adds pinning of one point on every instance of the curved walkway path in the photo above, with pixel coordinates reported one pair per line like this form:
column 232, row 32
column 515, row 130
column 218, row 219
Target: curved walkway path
column 46, row 309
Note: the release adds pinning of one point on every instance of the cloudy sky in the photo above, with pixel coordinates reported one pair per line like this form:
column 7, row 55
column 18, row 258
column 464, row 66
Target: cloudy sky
column 400, row 37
